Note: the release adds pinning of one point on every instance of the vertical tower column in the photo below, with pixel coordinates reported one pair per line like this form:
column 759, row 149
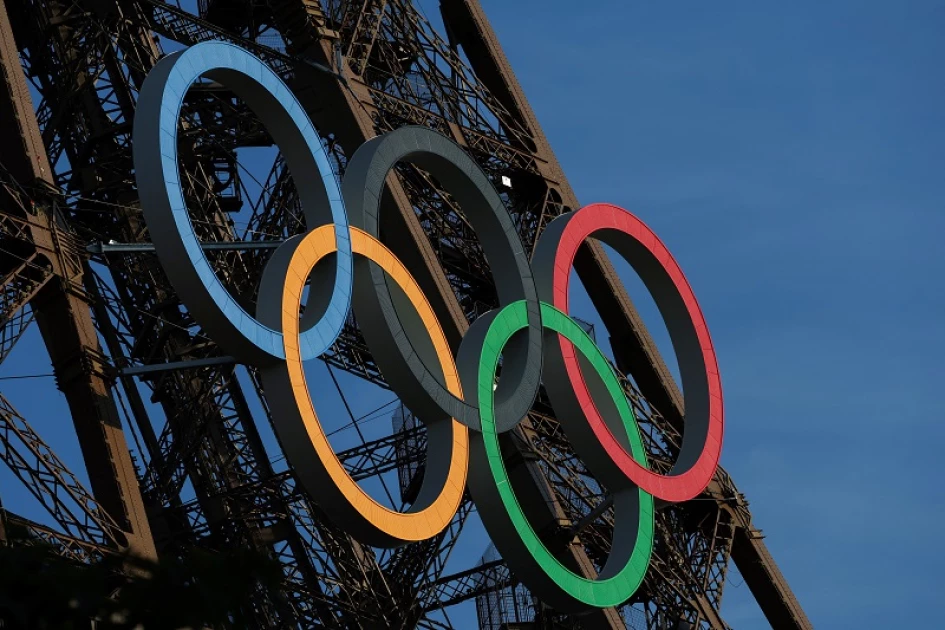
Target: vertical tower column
column 63, row 313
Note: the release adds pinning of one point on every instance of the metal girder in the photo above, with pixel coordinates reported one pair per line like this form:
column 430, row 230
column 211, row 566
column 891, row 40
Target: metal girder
column 181, row 26
column 354, row 125
column 22, row 531
column 17, row 289
column 13, row 328
column 61, row 309
column 469, row 584
column 52, row 483
column 364, row 21
column 466, row 21
column 224, row 449
column 388, row 117
column 87, row 61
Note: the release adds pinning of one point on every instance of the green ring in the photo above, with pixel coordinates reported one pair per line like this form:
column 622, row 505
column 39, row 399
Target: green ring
column 601, row 593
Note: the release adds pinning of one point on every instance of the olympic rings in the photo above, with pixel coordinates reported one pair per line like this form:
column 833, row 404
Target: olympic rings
column 393, row 341
column 505, row 517
column 702, row 387
column 530, row 331
column 159, row 186
column 304, row 439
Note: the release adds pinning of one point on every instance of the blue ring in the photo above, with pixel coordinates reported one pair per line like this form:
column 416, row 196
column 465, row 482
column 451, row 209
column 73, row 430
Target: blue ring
column 165, row 210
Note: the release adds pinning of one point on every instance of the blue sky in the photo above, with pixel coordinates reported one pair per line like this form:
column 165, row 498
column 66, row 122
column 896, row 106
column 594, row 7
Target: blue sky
column 792, row 157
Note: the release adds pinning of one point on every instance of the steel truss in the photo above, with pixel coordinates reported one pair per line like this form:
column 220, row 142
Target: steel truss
column 135, row 358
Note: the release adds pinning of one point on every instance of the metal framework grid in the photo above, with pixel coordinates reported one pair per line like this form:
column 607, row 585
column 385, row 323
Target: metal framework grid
column 110, row 320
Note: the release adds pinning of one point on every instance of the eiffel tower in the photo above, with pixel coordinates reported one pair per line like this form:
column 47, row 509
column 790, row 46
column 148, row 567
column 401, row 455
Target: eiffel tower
column 169, row 430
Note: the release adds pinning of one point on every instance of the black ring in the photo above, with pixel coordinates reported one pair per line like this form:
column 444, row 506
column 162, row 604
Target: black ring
column 393, row 331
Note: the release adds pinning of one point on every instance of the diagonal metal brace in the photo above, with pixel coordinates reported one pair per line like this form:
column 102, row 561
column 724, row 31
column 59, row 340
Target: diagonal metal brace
column 52, row 483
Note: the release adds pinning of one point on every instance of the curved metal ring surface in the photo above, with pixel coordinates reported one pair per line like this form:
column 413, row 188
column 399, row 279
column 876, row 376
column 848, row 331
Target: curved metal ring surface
column 506, row 518
column 493, row 381
column 304, row 439
column 393, row 334
column 587, row 425
column 169, row 225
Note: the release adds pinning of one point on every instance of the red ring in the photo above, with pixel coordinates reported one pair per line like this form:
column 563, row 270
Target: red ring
column 674, row 487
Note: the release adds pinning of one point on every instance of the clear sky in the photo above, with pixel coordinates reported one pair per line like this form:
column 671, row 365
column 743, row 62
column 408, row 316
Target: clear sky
column 792, row 157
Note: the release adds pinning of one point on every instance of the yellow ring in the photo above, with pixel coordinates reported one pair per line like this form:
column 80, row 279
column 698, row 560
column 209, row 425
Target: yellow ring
column 421, row 522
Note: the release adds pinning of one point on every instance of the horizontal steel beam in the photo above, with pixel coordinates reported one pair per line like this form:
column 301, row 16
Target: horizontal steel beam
column 116, row 248
column 176, row 365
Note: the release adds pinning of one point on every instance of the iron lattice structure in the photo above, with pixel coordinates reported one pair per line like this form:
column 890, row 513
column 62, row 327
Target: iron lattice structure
column 128, row 358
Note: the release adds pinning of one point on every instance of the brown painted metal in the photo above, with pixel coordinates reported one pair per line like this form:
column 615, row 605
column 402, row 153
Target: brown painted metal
column 347, row 109
column 74, row 32
column 630, row 339
column 360, row 67
column 63, row 314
